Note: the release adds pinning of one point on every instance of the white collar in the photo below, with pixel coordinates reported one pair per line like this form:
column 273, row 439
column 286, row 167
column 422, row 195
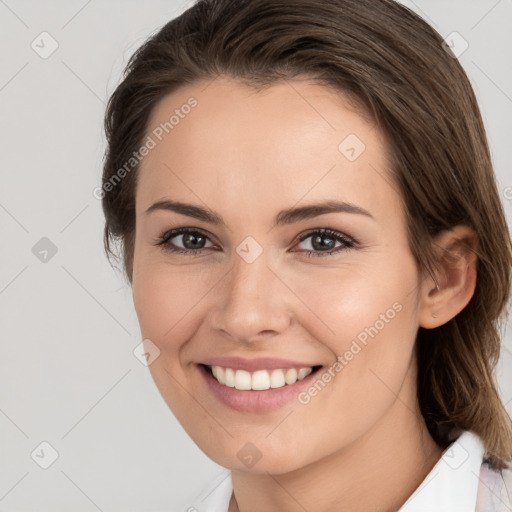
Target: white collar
column 451, row 485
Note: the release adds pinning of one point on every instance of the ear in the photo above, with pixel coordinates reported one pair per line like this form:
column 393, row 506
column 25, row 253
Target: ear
column 448, row 294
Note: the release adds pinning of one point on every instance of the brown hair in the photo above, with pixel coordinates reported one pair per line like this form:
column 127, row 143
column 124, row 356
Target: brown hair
column 416, row 91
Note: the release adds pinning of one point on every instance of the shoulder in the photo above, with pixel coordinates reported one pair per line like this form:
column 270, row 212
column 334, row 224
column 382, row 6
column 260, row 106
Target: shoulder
column 494, row 489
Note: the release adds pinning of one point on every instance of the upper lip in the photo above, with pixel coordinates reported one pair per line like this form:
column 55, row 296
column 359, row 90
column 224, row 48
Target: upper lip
column 252, row 365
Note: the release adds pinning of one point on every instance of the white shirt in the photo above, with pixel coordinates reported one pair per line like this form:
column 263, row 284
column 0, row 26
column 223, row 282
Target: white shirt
column 460, row 482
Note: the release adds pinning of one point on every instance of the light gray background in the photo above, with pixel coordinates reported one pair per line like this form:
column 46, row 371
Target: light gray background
column 68, row 375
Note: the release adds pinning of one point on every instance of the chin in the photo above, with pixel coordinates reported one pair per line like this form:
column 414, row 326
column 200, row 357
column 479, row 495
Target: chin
column 254, row 458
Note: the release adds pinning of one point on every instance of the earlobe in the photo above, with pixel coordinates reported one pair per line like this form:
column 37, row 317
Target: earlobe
column 455, row 279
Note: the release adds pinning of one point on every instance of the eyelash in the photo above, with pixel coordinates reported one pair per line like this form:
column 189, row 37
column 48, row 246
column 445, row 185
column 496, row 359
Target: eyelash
column 348, row 242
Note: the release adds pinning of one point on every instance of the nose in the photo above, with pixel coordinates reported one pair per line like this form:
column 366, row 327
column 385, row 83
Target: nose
column 251, row 303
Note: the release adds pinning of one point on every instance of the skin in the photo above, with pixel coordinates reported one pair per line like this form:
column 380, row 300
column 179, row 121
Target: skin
column 248, row 155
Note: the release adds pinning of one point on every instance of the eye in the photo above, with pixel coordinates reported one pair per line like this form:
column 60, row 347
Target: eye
column 323, row 242
column 193, row 241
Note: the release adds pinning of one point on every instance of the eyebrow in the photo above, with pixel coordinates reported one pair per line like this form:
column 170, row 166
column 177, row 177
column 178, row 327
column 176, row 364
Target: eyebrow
column 284, row 217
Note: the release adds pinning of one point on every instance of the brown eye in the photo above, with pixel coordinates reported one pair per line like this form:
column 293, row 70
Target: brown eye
column 191, row 240
column 323, row 242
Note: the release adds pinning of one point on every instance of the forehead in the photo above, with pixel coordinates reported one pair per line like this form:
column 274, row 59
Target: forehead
column 222, row 142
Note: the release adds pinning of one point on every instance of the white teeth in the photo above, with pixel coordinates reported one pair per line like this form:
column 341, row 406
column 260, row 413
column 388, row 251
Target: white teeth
column 242, row 379
column 291, row 376
column 277, row 379
column 229, row 377
column 304, row 372
column 259, row 380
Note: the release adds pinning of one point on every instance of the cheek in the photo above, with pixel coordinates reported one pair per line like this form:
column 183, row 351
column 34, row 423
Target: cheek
column 367, row 317
column 358, row 302
column 166, row 302
column 164, row 299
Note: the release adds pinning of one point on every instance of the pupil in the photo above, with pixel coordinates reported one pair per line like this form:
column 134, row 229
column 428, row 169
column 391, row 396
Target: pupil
column 318, row 242
column 191, row 241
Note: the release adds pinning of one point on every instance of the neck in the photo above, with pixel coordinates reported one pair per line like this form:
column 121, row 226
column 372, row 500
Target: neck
column 378, row 471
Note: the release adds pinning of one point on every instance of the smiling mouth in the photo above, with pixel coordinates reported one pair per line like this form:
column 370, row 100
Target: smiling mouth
column 259, row 380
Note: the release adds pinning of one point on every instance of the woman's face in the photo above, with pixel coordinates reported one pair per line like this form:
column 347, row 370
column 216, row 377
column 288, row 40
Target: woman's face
column 263, row 174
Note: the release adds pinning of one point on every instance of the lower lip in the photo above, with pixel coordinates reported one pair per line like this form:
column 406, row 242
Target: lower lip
column 254, row 400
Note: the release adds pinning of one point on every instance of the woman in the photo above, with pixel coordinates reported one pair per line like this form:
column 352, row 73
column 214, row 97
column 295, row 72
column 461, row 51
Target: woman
column 309, row 221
